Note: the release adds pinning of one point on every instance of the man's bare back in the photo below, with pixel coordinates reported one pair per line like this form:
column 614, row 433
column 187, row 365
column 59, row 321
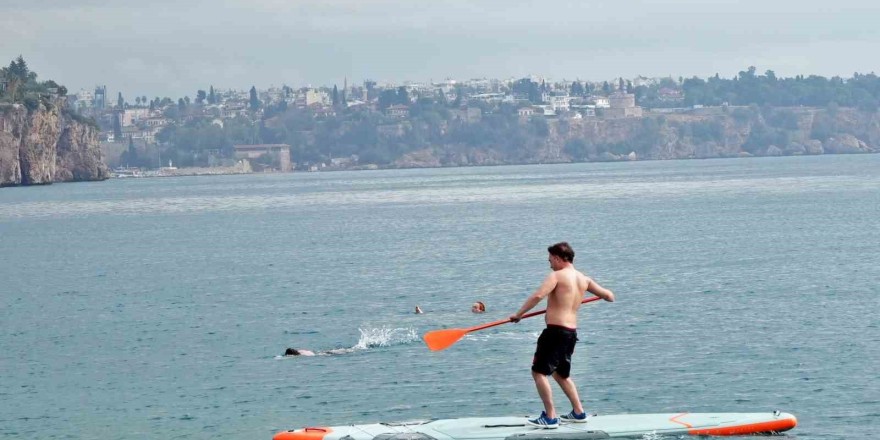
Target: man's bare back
column 564, row 289
column 565, row 299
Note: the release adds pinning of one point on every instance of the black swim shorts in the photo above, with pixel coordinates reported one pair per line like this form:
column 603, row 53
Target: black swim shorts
column 555, row 347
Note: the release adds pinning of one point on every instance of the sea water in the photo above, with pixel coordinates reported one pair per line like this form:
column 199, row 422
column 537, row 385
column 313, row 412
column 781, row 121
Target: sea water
column 158, row 308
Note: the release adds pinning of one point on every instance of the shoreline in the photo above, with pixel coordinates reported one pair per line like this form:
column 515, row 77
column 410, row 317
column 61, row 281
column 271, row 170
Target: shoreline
column 219, row 171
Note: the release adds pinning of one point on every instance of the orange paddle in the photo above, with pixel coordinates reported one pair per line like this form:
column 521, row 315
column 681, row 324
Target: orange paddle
column 442, row 339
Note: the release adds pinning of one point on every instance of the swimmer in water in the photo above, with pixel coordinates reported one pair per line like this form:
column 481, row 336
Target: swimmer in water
column 478, row 307
column 419, row 310
column 300, row 352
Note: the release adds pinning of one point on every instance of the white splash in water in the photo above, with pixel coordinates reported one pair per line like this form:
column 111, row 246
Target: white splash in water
column 373, row 337
column 384, row 337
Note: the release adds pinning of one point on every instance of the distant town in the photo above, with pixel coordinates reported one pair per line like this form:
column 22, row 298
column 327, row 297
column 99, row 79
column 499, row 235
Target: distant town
column 140, row 125
column 483, row 121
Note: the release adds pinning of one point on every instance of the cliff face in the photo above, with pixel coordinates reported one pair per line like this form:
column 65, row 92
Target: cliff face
column 701, row 133
column 79, row 155
column 44, row 145
column 11, row 124
column 717, row 133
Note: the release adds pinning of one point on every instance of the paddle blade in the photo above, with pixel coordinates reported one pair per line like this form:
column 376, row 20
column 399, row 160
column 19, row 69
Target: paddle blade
column 442, row 339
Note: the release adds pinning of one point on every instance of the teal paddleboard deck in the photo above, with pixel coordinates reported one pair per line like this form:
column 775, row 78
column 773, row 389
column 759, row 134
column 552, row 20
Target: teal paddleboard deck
column 516, row 428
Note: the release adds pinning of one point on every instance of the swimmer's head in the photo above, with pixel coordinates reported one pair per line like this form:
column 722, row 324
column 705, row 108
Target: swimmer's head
column 478, row 307
column 291, row 352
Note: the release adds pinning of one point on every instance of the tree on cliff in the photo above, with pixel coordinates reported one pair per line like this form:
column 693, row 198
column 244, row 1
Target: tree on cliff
column 528, row 88
column 200, row 97
column 749, row 87
column 117, row 128
column 335, row 96
column 17, row 75
column 212, row 98
column 120, row 103
column 18, row 68
column 254, row 101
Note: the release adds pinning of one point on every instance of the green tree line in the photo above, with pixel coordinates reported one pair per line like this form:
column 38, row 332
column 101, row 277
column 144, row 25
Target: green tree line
column 861, row 91
column 21, row 85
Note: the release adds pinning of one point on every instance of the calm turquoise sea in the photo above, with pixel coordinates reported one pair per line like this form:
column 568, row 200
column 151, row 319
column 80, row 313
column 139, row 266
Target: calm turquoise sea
column 156, row 308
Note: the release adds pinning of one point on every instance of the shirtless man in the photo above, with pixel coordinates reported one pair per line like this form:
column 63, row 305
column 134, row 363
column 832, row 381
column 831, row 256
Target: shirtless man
column 563, row 288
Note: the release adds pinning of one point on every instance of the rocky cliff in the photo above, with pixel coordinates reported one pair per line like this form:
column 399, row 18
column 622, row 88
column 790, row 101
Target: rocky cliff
column 698, row 133
column 44, row 144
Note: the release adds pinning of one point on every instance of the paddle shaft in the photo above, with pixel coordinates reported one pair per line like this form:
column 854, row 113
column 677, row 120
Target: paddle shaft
column 527, row 315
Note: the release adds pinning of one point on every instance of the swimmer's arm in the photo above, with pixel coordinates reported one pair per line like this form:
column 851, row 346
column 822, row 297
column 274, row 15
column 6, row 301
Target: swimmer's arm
column 546, row 287
column 596, row 289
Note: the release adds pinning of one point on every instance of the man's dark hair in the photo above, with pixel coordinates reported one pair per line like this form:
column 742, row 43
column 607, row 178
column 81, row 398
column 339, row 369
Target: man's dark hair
column 562, row 250
column 291, row 352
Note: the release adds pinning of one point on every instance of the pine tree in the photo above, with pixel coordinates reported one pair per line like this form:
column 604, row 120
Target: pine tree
column 120, row 103
column 18, row 68
column 212, row 99
column 335, row 96
column 117, row 128
column 255, row 102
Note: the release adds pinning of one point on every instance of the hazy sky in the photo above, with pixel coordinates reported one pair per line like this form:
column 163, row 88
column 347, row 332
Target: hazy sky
column 172, row 48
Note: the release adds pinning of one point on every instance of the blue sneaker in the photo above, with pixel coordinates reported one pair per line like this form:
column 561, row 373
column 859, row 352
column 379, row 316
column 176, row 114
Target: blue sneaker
column 544, row 422
column 572, row 417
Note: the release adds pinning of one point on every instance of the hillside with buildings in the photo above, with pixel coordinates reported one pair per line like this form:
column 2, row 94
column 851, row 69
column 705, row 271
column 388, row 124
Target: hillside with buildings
column 488, row 121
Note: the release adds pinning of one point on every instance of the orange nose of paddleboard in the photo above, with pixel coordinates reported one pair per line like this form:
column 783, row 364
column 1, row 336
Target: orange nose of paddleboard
column 303, row 434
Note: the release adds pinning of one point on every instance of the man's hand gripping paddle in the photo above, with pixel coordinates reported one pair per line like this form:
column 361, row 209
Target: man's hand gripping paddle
column 442, row 339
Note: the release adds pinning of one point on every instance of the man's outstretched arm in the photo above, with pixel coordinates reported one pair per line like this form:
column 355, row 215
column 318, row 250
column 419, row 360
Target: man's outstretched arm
column 596, row 289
